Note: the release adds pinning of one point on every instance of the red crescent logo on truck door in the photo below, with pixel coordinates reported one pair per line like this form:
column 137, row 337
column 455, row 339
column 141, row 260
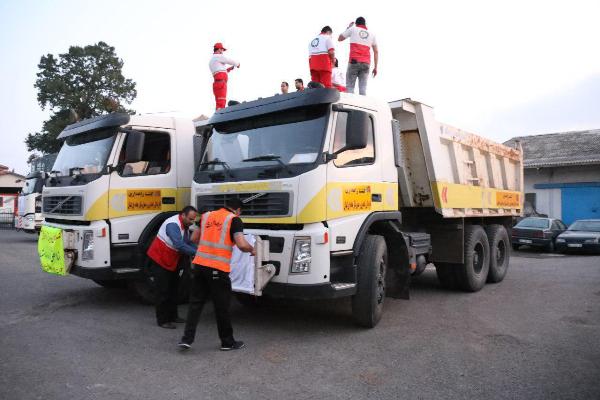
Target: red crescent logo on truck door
column 445, row 194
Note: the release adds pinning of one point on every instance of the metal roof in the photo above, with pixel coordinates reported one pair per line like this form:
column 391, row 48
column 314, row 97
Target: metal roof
column 560, row 149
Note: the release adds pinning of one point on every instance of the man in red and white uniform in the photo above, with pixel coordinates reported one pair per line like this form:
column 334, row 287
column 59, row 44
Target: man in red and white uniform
column 171, row 241
column 361, row 42
column 320, row 57
column 219, row 67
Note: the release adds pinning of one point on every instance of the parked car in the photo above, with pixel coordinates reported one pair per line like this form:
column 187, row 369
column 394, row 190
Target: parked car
column 583, row 234
column 537, row 232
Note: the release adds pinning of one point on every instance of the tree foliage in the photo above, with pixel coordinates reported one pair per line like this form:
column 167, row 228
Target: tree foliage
column 83, row 83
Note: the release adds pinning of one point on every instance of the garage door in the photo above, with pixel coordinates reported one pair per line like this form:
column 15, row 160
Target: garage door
column 580, row 203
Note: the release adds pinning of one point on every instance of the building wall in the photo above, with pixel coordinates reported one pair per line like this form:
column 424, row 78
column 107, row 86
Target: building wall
column 8, row 182
column 548, row 201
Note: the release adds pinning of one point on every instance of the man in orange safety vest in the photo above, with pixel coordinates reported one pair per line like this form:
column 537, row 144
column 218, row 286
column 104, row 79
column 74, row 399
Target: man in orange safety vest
column 219, row 231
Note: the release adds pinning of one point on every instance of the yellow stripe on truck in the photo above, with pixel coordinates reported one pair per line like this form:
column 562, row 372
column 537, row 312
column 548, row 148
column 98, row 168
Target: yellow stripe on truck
column 452, row 195
column 135, row 201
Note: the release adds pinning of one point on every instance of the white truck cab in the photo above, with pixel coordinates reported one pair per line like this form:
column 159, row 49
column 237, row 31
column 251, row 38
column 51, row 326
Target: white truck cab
column 115, row 180
column 353, row 195
column 29, row 215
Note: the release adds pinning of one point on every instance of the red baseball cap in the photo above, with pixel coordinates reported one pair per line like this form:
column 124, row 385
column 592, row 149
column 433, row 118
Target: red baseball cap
column 219, row 45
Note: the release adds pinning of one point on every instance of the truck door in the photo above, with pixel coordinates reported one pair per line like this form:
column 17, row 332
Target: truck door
column 140, row 190
column 354, row 176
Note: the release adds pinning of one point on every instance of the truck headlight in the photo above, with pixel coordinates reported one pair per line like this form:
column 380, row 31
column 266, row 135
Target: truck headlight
column 302, row 256
column 595, row 240
column 88, row 245
column 559, row 240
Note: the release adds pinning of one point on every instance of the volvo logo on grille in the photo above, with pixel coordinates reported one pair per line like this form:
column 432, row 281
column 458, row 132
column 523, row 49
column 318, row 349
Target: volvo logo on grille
column 249, row 199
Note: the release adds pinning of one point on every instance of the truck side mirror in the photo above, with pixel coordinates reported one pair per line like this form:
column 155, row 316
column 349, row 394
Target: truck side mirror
column 134, row 148
column 357, row 130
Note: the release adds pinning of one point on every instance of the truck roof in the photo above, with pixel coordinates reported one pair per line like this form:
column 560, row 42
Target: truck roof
column 114, row 120
column 272, row 104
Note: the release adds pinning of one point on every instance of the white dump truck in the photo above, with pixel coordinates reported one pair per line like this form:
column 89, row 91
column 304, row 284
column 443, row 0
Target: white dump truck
column 351, row 195
column 115, row 180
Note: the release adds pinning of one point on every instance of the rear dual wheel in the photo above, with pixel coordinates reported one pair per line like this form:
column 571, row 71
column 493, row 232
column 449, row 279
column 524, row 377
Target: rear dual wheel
column 471, row 275
column 499, row 252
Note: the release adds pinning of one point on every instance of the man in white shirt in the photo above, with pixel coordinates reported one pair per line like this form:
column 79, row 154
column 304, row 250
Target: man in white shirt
column 338, row 78
column 361, row 42
column 320, row 57
column 219, row 68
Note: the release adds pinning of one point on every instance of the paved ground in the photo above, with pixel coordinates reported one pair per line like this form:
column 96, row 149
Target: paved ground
column 534, row 336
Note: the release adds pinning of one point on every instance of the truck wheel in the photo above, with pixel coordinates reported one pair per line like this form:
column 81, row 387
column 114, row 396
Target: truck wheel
column 111, row 283
column 499, row 253
column 472, row 274
column 367, row 303
column 446, row 274
column 551, row 248
column 144, row 286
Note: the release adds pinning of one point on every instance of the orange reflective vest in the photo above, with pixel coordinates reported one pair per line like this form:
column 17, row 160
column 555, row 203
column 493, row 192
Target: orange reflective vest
column 215, row 246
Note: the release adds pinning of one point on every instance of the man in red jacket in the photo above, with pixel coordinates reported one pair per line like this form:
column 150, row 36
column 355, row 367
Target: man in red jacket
column 172, row 240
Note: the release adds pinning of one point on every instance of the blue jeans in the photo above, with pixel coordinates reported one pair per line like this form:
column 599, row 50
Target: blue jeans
column 360, row 71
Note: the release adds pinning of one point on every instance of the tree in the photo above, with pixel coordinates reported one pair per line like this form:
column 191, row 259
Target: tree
column 83, row 83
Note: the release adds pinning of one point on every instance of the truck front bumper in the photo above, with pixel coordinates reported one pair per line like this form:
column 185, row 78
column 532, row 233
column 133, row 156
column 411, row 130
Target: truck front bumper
column 105, row 273
column 309, row 292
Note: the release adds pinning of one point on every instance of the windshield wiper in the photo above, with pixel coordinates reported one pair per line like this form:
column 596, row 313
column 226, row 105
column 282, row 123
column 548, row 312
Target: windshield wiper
column 216, row 161
column 270, row 157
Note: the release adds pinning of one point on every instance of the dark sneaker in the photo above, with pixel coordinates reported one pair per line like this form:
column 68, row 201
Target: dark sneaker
column 168, row 325
column 179, row 320
column 236, row 345
column 183, row 345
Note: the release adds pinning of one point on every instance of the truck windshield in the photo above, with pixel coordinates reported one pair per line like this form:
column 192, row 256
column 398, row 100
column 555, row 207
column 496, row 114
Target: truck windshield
column 286, row 141
column 88, row 152
column 32, row 185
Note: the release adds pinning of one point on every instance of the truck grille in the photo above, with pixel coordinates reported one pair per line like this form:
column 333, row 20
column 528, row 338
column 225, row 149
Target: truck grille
column 261, row 204
column 65, row 205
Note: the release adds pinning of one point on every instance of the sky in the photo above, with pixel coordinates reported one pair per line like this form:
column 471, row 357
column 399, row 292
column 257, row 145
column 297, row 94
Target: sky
column 497, row 68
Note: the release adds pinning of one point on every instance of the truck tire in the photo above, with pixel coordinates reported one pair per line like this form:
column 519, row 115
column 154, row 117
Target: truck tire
column 143, row 287
column 499, row 253
column 367, row 303
column 111, row 283
column 446, row 274
column 551, row 247
column 472, row 274
column 145, row 290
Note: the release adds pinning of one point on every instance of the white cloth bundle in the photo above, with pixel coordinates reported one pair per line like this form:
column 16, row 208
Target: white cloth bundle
column 242, row 269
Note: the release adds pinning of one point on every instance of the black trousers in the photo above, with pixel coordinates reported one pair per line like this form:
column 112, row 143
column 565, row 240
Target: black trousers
column 166, row 284
column 214, row 284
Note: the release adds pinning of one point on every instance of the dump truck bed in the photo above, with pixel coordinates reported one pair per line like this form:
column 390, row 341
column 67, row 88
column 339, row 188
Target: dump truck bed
column 458, row 173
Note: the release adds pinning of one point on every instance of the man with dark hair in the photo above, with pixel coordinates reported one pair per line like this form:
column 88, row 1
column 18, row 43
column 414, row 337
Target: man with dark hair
column 299, row 83
column 285, row 87
column 172, row 240
column 361, row 42
column 338, row 77
column 320, row 57
column 219, row 231
column 219, row 68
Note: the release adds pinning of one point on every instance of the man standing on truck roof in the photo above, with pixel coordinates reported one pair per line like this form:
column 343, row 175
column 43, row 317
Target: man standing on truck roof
column 361, row 42
column 320, row 57
column 219, row 231
column 172, row 240
column 219, row 68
